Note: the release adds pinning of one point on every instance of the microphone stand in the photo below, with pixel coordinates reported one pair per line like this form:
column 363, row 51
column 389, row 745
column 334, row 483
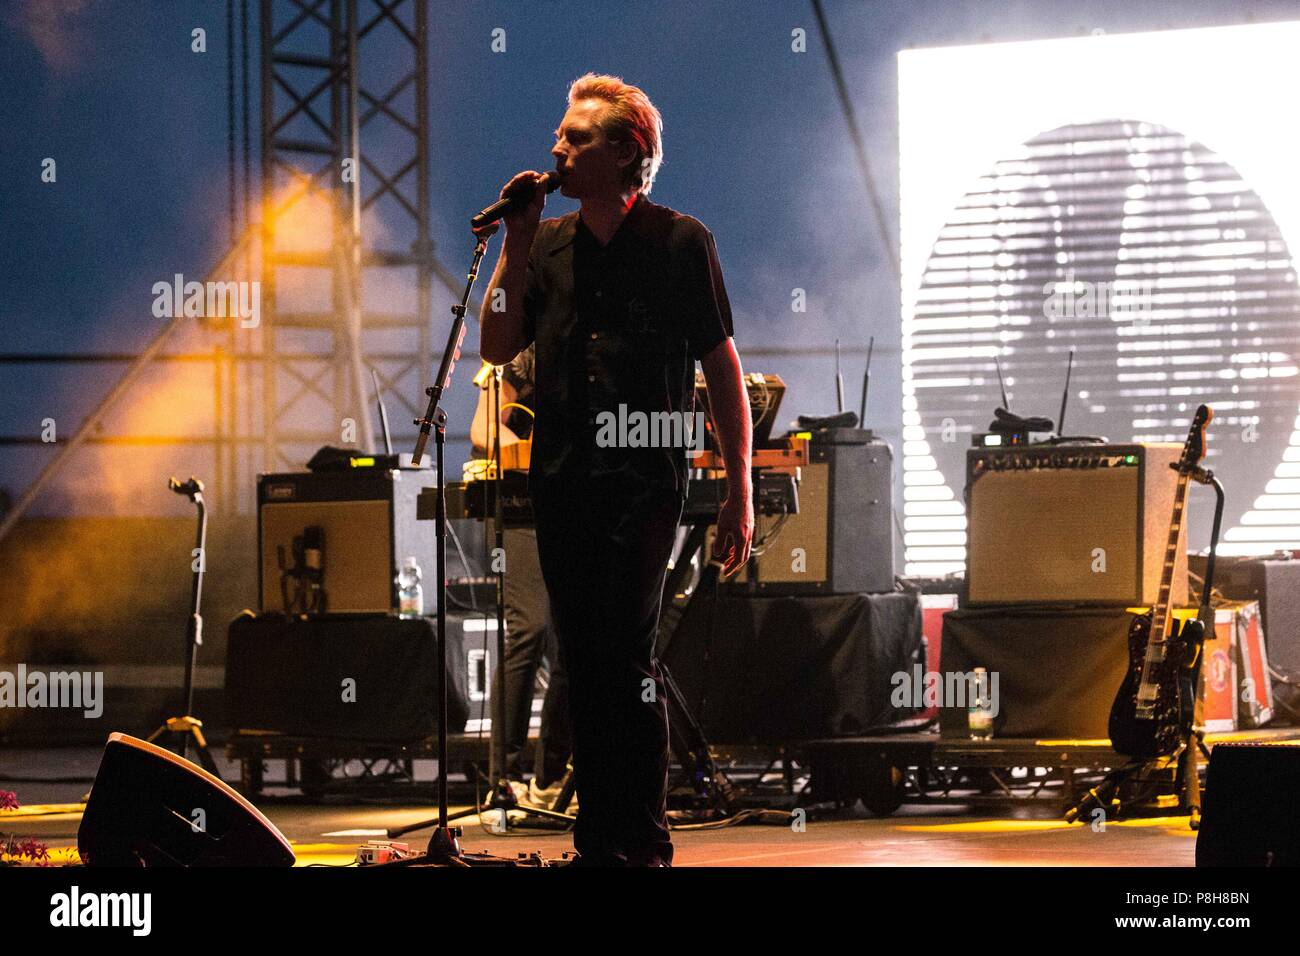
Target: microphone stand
column 187, row 727
column 444, row 844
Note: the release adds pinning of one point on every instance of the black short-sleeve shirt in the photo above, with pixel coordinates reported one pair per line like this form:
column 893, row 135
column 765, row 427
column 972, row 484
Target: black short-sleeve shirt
column 618, row 329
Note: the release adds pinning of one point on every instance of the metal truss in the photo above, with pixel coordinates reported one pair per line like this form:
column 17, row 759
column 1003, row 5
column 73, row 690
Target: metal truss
column 318, row 117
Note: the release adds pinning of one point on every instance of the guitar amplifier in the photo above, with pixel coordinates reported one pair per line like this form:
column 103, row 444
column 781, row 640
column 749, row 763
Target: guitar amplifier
column 1071, row 524
column 842, row 539
column 367, row 522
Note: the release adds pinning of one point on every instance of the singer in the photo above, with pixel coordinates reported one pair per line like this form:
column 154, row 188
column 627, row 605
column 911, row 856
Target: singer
column 621, row 299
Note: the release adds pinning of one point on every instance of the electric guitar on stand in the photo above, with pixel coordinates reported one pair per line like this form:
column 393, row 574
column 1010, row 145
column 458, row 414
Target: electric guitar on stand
column 1159, row 688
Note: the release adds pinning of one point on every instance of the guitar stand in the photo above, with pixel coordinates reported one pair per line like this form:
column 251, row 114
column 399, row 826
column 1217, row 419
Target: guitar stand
column 1193, row 748
column 1191, row 744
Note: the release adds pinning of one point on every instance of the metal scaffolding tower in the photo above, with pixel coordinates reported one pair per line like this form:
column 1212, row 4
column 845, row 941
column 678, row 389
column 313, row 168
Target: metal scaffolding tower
column 308, row 354
column 318, row 332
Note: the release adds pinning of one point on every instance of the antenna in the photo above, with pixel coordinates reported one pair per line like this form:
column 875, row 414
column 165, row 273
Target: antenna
column 1065, row 394
column 839, row 379
column 998, row 366
column 383, row 414
column 866, row 381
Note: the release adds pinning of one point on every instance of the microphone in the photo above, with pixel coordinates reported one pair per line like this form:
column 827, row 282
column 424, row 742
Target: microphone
column 521, row 195
column 191, row 487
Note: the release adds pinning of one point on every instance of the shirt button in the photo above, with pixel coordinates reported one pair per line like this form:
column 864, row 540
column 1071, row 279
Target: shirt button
column 599, row 293
column 591, row 378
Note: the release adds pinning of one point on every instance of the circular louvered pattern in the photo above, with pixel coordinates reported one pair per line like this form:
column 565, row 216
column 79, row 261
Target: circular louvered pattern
column 1150, row 256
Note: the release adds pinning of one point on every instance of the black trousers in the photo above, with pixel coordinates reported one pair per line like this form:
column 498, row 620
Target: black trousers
column 530, row 638
column 604, row 552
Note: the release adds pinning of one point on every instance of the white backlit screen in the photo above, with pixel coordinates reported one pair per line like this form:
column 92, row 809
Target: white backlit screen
column 1135, row 198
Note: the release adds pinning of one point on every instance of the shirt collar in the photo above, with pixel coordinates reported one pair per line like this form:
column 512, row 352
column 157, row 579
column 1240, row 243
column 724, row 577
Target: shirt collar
column 572, row 223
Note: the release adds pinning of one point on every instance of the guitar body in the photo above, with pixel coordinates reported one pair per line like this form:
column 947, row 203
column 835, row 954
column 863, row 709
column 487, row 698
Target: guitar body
column 1159, row 734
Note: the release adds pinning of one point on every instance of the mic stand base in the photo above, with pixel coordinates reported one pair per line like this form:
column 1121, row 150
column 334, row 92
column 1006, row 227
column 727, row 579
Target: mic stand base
column 179, row 732
column 444, row 845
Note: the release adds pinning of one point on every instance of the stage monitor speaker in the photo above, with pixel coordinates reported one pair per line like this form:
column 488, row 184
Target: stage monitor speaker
column 842, row 539
column 148, row 807
column 1248, row 809
column 369, row 526
column 1071, row 524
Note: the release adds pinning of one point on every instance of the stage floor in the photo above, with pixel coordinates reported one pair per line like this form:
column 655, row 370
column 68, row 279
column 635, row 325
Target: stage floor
column 329, row 833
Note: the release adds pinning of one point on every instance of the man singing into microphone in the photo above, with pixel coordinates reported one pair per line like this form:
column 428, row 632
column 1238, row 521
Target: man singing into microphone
column 621, row 299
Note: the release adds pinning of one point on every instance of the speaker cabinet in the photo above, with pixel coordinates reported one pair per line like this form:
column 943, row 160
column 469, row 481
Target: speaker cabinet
column 284, row 676
column 1275, row 584
column 369, row 524
column 1071, row 524
column 1248, row 809
column 778, row 669
column 148, row 807
column 842, row 539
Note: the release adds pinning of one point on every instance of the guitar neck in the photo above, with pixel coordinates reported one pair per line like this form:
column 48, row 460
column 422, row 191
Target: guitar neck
column 1148, row 693
column 1164, row 608
column 1162, row 612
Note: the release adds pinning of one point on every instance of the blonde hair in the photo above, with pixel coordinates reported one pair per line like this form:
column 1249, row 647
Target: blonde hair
column 630, row 118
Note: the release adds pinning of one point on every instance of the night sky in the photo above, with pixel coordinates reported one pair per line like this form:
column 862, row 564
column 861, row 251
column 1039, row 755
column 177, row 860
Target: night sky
column 755, row 145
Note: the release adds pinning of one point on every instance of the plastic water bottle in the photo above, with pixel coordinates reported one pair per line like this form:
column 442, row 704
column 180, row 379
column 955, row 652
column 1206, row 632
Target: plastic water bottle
column 979, row 714
column 410, row 596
